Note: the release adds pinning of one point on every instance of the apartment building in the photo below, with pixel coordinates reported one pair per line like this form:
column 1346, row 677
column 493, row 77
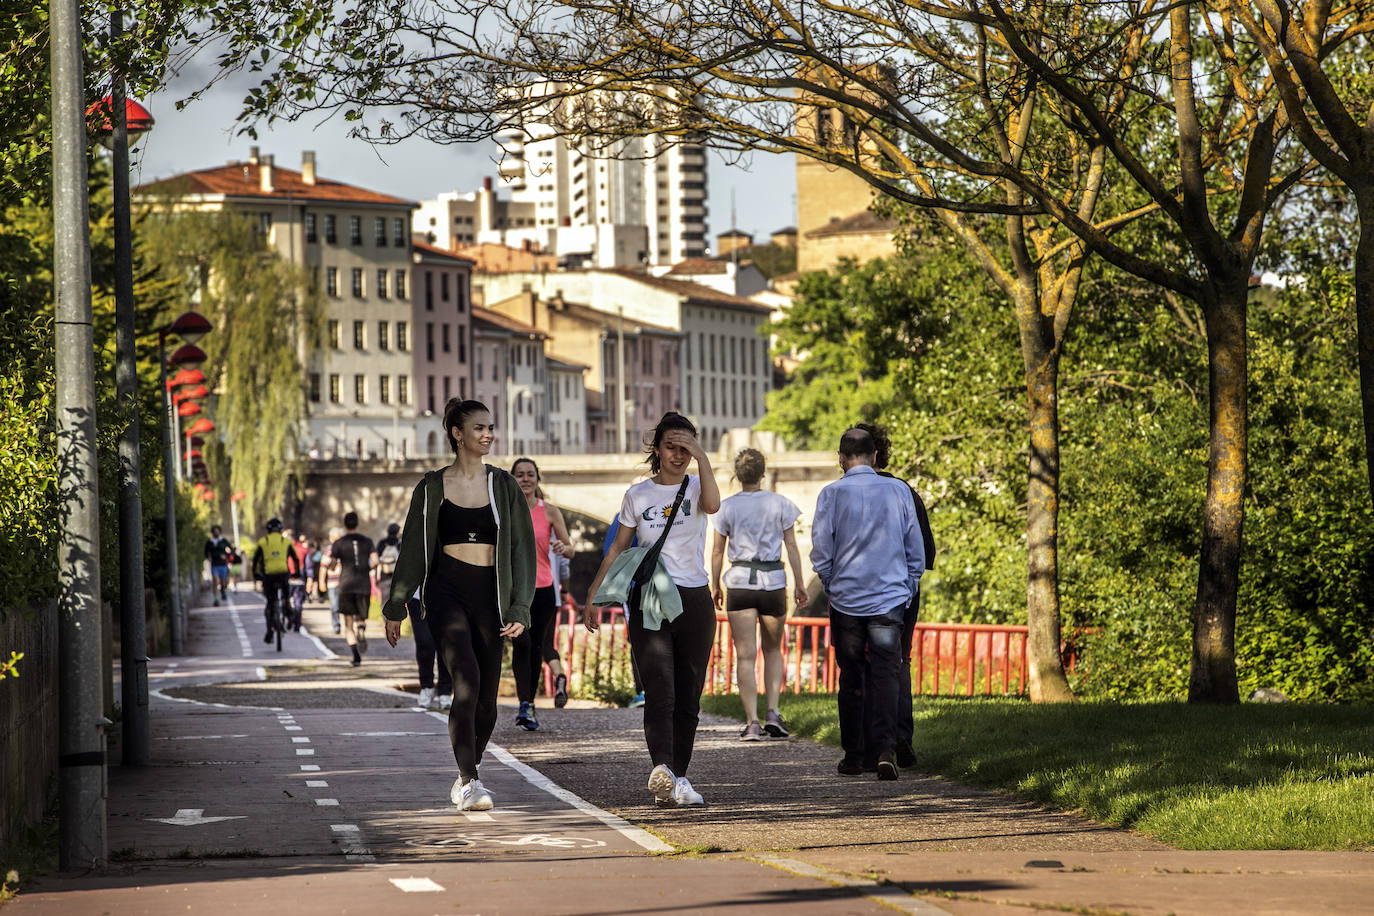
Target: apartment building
column 356, row 244
column 723, row 370
column 567, row 400
column 639, row 200
column 511, row 378
column 442, row 326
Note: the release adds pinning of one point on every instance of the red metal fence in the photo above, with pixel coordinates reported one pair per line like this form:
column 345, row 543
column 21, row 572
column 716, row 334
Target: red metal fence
column 952, row 659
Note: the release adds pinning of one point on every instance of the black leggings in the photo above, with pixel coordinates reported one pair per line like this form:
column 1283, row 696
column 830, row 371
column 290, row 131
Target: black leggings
column 526, row 656
column 426, row 652
column 672, row 663
column 461, row 611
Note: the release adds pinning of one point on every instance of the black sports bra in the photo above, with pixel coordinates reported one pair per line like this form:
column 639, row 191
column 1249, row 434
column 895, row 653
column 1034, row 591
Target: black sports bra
column 466, row 524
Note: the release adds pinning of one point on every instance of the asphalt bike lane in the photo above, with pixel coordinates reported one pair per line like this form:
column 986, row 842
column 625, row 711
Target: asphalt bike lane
column 343, row 808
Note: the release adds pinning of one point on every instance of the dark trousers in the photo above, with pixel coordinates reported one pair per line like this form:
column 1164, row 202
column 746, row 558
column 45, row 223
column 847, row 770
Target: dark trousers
column 427, row 651
column 867, row 650
column 274, row 588
column 672, row 663
column 527, row 651
column 460, row 608
column 297, row 604
column 906, row 730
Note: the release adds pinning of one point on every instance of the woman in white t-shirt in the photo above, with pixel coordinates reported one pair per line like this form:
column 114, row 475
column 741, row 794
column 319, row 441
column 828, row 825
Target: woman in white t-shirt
column 672, row 659
column 756, row 524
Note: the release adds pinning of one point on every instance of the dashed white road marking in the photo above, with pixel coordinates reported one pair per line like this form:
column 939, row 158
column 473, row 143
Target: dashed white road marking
column 293, row 728
column 300, row 740
column 310, row 767
column 245, row 645
column 352, row 843
column 196, row 737
column 305, row 752
column 327, row 802
column 316, row 784
column 417, row 885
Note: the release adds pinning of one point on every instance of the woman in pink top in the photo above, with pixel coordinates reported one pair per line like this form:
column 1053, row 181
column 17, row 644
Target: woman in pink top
column 550, row 535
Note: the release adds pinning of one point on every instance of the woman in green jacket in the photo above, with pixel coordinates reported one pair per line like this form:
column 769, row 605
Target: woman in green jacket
column 468, row 546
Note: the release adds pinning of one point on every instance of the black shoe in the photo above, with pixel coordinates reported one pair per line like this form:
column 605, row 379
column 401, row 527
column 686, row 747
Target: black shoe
column 906, row 757
column 560, row 691
column 268, row 637
column 357, row 661
column 848, row 766
column 887, row 767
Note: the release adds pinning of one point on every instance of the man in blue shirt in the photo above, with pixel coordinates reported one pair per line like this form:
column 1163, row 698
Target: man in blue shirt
column 866, row 549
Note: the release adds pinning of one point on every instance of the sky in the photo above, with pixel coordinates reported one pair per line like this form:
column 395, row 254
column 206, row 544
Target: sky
column 203, row 134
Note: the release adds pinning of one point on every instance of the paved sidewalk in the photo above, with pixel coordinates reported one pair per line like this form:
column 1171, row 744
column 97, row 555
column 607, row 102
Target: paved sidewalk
column 296, row 783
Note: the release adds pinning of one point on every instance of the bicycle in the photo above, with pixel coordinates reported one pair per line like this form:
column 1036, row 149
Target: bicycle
column 276, row 611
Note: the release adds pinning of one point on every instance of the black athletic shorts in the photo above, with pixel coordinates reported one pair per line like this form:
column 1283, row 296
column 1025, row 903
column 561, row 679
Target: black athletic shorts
column 355, row 605
column 769, row 603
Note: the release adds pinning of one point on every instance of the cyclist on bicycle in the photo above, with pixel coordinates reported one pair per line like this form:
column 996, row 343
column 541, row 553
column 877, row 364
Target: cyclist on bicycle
column 274, row 563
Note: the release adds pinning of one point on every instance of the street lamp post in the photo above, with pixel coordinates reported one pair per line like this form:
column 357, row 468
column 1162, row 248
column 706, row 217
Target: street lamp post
column 190, row 326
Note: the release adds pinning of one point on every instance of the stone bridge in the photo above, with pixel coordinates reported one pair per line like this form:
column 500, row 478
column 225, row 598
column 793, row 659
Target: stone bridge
column 588, row 488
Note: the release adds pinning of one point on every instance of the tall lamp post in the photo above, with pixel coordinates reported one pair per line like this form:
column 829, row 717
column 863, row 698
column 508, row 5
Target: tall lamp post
column 190, row 327
column 123, row 122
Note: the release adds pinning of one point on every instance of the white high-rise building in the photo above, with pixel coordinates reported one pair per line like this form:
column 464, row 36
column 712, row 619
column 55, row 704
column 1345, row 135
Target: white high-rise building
column 631, row 202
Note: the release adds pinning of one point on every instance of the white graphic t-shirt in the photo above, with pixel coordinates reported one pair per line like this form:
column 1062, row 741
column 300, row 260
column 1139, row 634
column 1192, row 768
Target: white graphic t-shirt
column 645, row 508
column 754, row 523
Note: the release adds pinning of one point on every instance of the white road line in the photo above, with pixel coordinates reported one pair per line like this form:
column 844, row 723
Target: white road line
column 305, row 752
column 537, row 779
column 417, row 885
column 196, row 737
column 297, row 739
column 310, row 767
column 477, row 815
column 319, row 643
column 352, row 840
column 327, row 802
column 886, row 894
column 293, row 728
column 316, row 784
column 162, row 696
column 245, row 645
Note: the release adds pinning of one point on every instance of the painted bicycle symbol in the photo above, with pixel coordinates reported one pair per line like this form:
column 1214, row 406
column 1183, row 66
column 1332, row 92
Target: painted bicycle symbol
column 536, row 839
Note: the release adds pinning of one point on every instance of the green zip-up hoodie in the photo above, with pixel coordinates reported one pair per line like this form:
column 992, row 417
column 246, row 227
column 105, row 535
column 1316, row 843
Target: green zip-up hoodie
column 515, row 563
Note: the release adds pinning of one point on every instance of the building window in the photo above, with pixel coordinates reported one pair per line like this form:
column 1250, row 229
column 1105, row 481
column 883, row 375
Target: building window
column 713, row 356
column 463, row 388
column 358, row 282
column 314, row 388
column 443, row 332
column 701, row 351
column 310, row 235
column 264, row 224
column 334, row 395
column 359, row 336
column 431, row 394
column 429, row 341
column 462, row 344
column 429, row 291
column 381, row 283
column 355, row 230
column 335, row 334
column 443, row 286
column 384, row 389
column 331, row 228
column 398, row 232
column 383, row 338
column 400, row 284
column 448, row 388
column 402, row 336
column 477, row 357
column 379, row 231
column 402, row 389
column 331, row 281
column 360, row 389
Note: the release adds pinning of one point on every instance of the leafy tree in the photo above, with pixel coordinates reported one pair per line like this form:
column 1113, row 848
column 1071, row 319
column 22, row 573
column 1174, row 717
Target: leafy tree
column 266, row 313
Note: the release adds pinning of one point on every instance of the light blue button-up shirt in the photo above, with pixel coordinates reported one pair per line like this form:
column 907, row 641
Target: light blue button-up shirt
column 865, row 543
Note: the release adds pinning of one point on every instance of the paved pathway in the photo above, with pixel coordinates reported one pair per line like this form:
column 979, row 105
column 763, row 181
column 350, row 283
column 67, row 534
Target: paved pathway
column 293, row 783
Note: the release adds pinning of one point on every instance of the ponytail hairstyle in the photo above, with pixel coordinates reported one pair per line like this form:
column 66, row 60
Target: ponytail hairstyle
column 882, row 444
column 671, row 420
column 456, row 413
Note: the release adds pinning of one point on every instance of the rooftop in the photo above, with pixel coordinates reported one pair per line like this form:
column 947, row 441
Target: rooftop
column 244, row 179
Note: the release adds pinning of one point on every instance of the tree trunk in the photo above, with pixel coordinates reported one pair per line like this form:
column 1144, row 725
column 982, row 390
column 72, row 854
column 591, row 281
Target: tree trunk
column 1364, row 325
column 1213, row 675
column 1047, row 681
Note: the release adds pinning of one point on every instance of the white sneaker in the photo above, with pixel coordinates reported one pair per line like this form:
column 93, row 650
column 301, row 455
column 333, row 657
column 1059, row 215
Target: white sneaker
column 684, row 794
column 662, row 783
column 445, row 701
column 472, row 796
column 426, row 697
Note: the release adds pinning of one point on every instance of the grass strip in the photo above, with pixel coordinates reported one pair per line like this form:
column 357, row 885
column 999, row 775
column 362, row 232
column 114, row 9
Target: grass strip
column 1283, row 776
